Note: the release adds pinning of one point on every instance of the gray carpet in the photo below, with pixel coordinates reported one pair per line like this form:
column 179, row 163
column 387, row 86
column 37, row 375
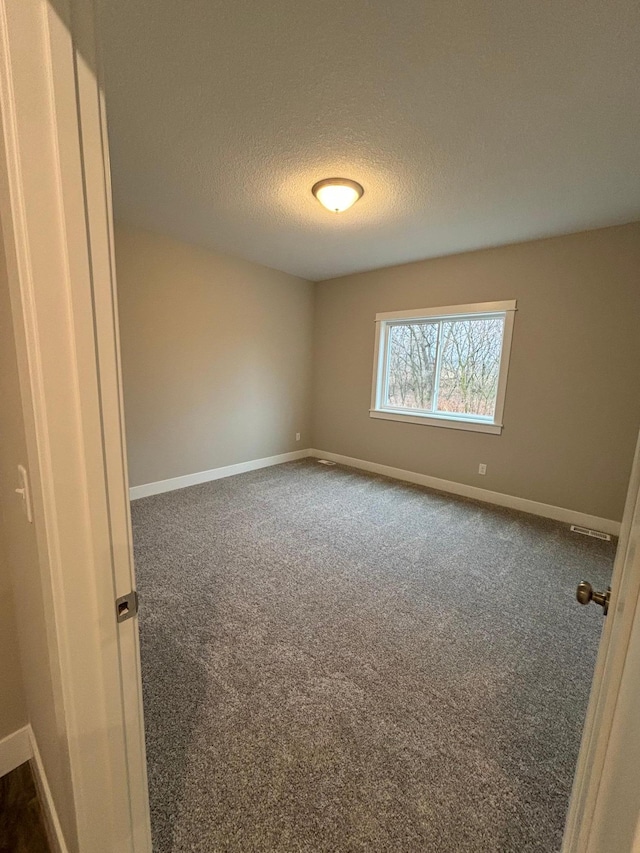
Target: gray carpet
column 334, row 661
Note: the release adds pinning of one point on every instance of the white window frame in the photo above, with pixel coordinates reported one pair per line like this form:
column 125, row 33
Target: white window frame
column 474, row 423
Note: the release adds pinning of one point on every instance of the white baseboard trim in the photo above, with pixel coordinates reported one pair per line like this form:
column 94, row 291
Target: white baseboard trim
column 54, row 829
column 161, row 486
column 569, row 516
column 15, row 749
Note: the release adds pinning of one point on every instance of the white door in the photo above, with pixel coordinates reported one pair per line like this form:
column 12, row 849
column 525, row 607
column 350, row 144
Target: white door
column 605, row 805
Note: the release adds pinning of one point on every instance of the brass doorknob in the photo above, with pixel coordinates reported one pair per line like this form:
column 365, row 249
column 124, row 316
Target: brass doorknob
column 585, row 594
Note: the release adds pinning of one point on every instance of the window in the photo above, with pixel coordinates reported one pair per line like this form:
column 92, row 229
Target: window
column 443, row 366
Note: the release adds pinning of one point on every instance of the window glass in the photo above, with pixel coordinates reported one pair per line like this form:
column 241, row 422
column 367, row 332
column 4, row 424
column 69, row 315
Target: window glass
column 411, row 365
column 470, row 365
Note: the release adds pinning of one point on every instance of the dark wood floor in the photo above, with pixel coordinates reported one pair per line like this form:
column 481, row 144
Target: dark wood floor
column 22, row 827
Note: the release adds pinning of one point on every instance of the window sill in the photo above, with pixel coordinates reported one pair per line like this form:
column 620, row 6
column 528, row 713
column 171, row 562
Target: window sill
column 437, row 421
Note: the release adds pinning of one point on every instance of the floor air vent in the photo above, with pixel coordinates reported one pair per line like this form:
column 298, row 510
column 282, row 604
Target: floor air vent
column 587, row 531
column 325, row 462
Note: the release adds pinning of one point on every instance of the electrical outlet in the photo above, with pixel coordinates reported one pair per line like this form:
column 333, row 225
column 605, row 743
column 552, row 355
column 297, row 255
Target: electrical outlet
column 297, row 436
column 482, row 468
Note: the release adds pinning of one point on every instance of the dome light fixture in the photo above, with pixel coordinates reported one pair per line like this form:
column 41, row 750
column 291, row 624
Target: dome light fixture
column 337, row 194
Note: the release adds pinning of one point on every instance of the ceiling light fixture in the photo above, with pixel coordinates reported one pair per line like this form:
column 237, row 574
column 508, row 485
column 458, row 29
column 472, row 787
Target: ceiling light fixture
column 337, row 194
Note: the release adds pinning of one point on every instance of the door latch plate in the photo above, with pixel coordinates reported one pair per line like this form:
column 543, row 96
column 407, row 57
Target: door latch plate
column 127, row 606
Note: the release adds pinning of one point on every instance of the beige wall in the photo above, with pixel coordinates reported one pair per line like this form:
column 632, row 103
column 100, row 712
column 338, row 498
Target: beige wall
column 32, row 698
column 216, row 357
column 217, row 364
column 572, row 409
column 13, row 711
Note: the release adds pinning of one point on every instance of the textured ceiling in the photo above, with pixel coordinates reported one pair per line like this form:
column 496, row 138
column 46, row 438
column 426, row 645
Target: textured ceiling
column 468, row 123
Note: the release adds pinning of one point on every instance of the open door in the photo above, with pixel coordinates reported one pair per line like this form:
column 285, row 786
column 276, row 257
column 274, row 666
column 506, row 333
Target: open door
column 605, row 804
column 55, row 208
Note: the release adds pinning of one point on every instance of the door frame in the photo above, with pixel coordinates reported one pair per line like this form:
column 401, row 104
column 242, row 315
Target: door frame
column 55, row 208
column 56, row 215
